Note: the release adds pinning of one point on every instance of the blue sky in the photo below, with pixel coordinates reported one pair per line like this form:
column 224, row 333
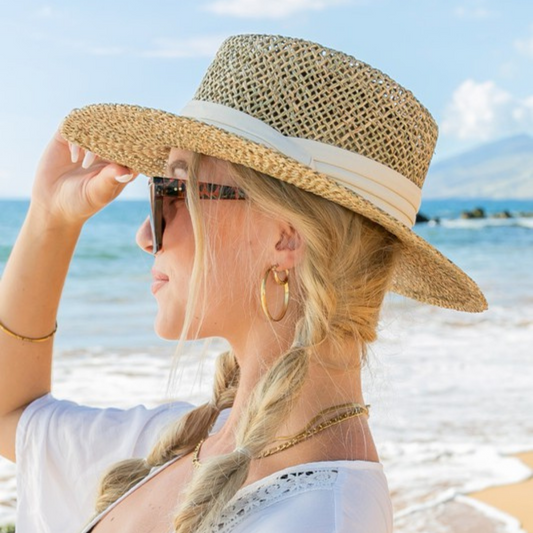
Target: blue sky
column 470, row 62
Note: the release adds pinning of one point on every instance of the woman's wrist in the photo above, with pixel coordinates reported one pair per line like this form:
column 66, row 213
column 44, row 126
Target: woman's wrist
column 44, row 221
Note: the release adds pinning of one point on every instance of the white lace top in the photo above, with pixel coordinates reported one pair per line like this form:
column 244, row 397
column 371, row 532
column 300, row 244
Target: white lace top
column 62, row 449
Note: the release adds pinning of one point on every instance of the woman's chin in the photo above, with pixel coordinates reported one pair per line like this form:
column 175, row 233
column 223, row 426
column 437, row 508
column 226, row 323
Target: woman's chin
column 166, row 331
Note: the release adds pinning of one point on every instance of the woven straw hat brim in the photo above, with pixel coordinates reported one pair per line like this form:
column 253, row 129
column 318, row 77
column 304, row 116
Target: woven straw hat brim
column 141, row 138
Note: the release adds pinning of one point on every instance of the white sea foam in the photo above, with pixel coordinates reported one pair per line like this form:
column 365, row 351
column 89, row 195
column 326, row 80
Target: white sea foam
column 482, row 223
column 453, row 402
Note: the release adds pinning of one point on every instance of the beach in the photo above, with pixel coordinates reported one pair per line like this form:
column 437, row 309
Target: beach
column 450, row 392
column 515, row 499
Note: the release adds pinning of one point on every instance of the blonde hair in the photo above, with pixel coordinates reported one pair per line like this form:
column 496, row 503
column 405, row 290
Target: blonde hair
column 342, row 279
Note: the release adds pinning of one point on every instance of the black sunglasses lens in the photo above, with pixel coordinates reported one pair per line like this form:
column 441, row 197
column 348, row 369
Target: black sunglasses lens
column 156, row 219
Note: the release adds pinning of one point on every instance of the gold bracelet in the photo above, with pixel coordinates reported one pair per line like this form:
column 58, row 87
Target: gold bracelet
column 29, row 339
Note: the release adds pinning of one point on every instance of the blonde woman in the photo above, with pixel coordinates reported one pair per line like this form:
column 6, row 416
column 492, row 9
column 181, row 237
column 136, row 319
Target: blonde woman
column 282, row 201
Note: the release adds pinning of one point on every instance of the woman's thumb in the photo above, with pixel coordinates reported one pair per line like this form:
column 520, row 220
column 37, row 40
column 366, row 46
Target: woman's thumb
column 118, row 174
column 125, row 178
column 109, row 182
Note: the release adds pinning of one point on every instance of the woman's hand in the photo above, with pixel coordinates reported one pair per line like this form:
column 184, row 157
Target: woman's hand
column 67, row 193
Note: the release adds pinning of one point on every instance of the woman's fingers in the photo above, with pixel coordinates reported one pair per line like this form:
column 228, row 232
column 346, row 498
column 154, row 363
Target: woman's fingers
column 74, row 152
column 104, row 180
column 88, row 160
column 125, row 178
column 108, row 183
column 72, row 183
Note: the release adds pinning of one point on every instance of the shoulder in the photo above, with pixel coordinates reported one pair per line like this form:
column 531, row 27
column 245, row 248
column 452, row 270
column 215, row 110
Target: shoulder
column 62, row 449
column 330, row 497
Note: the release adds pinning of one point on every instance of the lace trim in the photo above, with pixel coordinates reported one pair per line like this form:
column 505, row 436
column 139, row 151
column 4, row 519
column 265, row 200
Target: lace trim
column 278, row 489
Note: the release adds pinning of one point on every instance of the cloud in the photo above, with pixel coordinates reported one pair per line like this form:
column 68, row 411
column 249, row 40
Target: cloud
column 475, row 13
column 474, row 10
column 509, row 69
column 78, row 45
column 273, row 9
column 195, row 47
column 44, row 12
column 525, row 46
column 105, row 50
column 205, row 46
column 48, row 12
column 482, row 111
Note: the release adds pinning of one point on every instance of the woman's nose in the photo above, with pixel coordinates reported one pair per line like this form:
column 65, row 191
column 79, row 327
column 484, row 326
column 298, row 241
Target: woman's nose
column 144, row 236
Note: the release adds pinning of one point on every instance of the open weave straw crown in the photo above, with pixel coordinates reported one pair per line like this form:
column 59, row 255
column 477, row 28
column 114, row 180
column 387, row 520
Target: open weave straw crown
column 311, row 116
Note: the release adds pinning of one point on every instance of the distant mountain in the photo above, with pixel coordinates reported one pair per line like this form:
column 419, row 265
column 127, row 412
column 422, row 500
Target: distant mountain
column 499, row 170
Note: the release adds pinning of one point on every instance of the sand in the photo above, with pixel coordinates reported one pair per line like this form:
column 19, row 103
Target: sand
column 515, row 499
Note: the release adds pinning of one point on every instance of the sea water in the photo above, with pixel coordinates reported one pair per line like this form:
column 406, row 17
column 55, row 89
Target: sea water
column 450, row 391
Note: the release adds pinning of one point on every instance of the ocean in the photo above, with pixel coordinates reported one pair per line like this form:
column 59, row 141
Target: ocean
column 450, row 391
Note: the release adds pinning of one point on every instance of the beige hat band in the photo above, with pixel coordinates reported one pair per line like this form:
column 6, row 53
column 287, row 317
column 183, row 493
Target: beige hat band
column 384, row 187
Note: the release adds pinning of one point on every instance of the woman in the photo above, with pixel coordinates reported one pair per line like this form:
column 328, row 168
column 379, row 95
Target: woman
column 319, row 160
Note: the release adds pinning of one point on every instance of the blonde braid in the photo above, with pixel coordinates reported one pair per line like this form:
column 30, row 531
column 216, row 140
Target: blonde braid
column 178, row 438
column 222, row 476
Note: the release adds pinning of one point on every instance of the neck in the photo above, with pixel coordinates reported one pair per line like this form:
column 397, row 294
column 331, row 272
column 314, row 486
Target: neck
column 324, row 386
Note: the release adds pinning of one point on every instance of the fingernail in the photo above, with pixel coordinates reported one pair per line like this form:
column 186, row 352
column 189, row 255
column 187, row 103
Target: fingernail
column 88, row 160
column 74, row 152
column 125, row 178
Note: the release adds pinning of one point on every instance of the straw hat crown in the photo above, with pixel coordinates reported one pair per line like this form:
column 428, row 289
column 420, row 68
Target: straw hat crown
column 308, row 91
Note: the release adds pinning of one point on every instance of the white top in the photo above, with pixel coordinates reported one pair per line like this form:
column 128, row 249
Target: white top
column 62, row 448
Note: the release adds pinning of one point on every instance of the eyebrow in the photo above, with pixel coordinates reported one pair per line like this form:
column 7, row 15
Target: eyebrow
column 178, row 163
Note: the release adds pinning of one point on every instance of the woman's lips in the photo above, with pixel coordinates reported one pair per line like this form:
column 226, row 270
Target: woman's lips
column 159, row 278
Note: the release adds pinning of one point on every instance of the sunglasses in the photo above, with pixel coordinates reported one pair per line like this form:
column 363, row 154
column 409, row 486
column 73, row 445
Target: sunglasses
column 176, row 188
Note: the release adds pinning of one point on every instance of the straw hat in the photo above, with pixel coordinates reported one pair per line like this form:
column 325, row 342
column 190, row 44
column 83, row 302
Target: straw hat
column 308, row 115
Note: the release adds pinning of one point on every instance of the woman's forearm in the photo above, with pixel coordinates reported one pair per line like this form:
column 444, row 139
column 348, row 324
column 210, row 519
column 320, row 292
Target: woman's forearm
column 30, row 291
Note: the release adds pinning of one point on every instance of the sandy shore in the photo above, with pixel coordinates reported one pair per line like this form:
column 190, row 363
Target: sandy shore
column 515, row 499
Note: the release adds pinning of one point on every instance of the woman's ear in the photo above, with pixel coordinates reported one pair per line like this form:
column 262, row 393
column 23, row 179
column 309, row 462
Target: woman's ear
column 289, row 247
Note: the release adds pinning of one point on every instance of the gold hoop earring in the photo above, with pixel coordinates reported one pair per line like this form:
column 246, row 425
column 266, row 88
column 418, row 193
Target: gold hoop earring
column 285, row 283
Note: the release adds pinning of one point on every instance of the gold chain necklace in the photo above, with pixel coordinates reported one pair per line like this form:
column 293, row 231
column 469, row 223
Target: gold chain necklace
column 309, row 431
